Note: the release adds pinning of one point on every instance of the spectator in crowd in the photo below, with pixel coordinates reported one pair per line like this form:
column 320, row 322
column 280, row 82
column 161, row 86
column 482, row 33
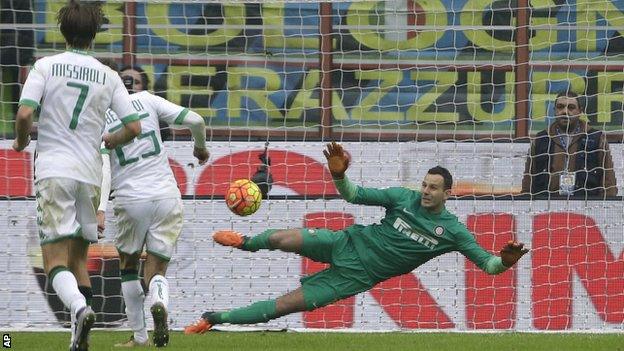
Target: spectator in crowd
column 569, row 157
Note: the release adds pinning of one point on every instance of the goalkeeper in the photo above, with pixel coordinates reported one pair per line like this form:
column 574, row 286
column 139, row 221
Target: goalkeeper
column 415, row 229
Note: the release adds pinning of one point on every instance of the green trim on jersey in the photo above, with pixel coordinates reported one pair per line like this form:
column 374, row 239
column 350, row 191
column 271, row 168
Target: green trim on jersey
column 138, row 252
column 75, row 235
column 81, row 52
column 152, row 135
column 130, row 118
column 104, row 151
column 123, row 122
column 129, row 277
column 30, row 103
column 180, row 119
column 159, row 255
column 115, row 128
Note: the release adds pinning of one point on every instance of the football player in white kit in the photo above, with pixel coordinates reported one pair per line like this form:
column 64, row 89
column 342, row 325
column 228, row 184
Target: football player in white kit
column 147, row 204
column 72, row 90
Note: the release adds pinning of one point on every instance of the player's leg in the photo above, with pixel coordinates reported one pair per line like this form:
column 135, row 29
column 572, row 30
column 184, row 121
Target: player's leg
column 86, row 205
column 160, row 243
column 316, row 244
column 288, row 240
column 56, row 217
column 55, row 262
column 58, row 227
column 263, row 311
column 134, row 298
column 346, row 277
column 78, row 257
column 87, row 199
column 258, row 312
column 318, row 290
column 132, row 224
column 154, row 270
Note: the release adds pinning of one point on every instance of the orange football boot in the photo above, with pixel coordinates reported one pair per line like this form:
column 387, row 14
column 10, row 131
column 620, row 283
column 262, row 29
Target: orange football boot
column 201, row 326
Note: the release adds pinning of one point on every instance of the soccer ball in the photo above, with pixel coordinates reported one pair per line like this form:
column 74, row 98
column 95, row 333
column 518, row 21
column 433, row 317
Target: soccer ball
column 243, row 197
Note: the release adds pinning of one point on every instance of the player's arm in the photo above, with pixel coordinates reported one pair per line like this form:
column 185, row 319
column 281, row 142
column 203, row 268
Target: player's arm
column 197, row 126
column 104, row 189
column 23, row 124
column 195, row 123
column 338, row 162
column 356, row 194
column 122, row 106
column 491, row 264
column 29, row 102
column 130, row 130
column 177, row 115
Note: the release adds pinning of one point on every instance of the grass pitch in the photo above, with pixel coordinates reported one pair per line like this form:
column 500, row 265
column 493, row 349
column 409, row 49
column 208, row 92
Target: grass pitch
column 292, row 341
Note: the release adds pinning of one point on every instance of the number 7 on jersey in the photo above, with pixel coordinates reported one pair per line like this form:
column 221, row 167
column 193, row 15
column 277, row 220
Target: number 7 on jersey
column 84, row 90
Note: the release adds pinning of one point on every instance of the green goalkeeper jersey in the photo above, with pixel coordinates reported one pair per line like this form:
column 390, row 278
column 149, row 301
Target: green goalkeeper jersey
column 408, row 235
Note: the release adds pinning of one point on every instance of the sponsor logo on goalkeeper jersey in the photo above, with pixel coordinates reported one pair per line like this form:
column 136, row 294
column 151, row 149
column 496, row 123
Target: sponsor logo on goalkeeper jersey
column 420, row 238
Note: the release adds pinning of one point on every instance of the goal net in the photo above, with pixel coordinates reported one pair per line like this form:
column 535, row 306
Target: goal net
column 404, row 85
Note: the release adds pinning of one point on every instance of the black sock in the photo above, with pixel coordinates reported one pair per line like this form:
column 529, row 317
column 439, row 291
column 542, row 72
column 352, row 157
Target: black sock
column 129, row 274
column 87, row 293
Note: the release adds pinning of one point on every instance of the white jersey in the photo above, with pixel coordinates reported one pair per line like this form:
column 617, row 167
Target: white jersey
column 74, row 91
column 140, row 169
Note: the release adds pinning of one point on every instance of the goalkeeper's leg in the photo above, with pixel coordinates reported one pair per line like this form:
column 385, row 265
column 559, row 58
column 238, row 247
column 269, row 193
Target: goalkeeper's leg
column 287, row 240
column 318, row 290
column 258, row 312
column 316, row 244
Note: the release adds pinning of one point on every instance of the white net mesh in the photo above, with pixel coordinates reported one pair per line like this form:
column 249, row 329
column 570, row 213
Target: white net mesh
column 405, row 85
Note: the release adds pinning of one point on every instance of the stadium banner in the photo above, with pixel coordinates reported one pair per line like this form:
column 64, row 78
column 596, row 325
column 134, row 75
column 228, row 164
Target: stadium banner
column 298, row 168
column 262, row 69
column 172, row 27
column 571, row 279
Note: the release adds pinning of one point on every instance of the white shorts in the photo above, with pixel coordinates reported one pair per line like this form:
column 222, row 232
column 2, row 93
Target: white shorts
column 66, row 209
column 156, row 224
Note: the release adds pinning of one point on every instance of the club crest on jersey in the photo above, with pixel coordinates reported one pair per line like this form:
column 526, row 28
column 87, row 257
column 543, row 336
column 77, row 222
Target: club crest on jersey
column 439, row 231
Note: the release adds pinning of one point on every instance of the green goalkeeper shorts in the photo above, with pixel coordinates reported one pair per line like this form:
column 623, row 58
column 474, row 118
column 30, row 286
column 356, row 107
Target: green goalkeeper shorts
column 344, row 278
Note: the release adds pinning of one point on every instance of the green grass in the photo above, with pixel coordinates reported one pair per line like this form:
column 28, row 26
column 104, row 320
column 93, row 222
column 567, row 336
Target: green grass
column 221, row 341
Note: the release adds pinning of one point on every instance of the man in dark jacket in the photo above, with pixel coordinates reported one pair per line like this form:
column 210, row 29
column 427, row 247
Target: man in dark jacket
column 570, row 157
